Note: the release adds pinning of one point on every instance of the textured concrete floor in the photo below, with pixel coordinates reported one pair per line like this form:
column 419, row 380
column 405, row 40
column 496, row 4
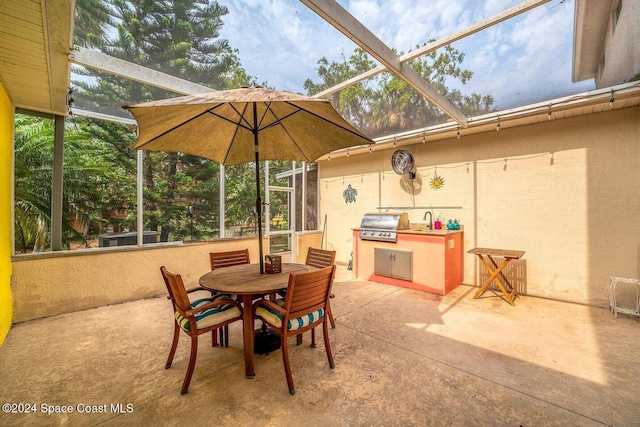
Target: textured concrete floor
column 402, row 358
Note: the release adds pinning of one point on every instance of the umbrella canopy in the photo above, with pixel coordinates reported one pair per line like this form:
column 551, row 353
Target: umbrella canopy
column 222, row 126
column 243, row 125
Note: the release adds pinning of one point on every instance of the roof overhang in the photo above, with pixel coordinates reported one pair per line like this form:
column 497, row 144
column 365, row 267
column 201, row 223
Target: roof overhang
column 35, row 38
column 591, row 18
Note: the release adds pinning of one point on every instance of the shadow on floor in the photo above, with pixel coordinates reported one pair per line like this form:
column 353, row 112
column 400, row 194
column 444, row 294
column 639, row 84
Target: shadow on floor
column 403, row 357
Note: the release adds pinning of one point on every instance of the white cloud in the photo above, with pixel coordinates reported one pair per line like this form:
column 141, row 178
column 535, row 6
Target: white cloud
column 280, row 41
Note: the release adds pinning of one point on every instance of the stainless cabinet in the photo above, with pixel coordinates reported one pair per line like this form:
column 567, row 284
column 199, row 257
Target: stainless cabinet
column 393, row 263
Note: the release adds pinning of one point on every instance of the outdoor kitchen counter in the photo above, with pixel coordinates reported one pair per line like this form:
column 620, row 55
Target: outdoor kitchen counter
column 435, row 265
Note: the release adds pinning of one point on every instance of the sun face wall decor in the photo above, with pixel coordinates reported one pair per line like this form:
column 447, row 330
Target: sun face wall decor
column 437, row 182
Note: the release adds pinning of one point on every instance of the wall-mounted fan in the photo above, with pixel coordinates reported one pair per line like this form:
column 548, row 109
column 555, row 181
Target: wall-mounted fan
column 402, row 163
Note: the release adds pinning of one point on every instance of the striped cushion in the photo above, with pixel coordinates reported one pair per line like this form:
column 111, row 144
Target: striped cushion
column 205, row 294
column 199, row 294
column 293, row 324
column 209, row 317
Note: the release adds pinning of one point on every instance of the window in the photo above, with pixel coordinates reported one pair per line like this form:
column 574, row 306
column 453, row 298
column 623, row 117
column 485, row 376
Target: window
column 311, row 212
column 181, row 197
column 181, row 193
column 32, row 183
column 240, row 200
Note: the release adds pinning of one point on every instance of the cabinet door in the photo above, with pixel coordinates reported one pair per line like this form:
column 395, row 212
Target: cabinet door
column 402, row 265
column 382, row 259
column 392, row 263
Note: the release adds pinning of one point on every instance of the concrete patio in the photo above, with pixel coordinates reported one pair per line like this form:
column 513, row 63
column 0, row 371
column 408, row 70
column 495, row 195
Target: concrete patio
column 403, row 357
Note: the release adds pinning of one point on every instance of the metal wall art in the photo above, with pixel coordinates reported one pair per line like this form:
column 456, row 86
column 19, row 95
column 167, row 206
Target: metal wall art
column 350, row 194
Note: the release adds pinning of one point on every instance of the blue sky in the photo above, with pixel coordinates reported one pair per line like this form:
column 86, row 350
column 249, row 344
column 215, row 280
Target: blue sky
column 524, row 60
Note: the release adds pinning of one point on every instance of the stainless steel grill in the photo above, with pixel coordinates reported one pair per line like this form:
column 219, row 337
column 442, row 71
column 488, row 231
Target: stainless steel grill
column 383, row 227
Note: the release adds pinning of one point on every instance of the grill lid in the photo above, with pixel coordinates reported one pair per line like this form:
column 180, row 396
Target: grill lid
column 383, row 226
column 385, row 221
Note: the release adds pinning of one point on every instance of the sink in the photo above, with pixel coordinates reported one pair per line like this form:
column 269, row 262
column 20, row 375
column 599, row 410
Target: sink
column 419, row 227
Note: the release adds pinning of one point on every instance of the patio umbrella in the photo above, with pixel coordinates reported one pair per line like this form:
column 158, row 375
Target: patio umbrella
column 244, row 125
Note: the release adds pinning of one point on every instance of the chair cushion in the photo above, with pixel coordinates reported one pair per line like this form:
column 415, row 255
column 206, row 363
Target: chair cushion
column 275, row 318
column 205, row 294
column 209, row 317
column 199, row 294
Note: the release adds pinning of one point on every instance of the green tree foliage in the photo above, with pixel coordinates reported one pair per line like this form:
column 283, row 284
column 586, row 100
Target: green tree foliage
column 92, row 18
column 111, row 147
column 32, row 182
column 180, row 38
column 387, row 104
column 351, row 102
column 88, row 177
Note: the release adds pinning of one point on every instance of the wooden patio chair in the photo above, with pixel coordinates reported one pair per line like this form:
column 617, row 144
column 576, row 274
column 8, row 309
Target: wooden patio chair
column 228, row 259
column 195, row 295
column 304, row 307
column 196, row 318
column 321, row 258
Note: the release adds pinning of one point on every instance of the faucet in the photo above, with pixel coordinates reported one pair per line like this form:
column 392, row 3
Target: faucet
column 430, row 219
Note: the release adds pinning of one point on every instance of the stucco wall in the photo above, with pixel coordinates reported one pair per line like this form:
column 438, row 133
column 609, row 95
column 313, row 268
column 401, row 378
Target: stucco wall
column 6, row 150
column 568, row 194
column 55, row 283
column 65, row 282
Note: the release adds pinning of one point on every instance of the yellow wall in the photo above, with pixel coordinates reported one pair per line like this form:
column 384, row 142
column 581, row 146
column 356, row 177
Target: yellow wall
column 304, row 241
column 568, row 195
column 6, row 150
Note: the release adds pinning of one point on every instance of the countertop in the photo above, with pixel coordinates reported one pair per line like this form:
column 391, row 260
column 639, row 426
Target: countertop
column 424, row 230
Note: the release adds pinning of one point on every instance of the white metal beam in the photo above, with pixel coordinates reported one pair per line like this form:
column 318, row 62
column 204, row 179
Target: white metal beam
column 101, row 116
column 339, row 18
column 108, row 64
column 58, row 32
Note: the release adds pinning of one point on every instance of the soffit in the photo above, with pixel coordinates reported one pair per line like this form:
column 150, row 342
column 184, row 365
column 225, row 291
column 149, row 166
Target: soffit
column 35, row 37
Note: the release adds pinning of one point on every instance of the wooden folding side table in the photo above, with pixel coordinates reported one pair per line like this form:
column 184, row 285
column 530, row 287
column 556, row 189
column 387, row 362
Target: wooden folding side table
column 508, row 290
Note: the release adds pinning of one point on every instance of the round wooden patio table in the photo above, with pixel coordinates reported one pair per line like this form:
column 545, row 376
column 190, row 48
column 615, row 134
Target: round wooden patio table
column 246, row 280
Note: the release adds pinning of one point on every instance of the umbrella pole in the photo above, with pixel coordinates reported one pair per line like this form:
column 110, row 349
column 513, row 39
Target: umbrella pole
column 265, row 339
column 258, row 197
